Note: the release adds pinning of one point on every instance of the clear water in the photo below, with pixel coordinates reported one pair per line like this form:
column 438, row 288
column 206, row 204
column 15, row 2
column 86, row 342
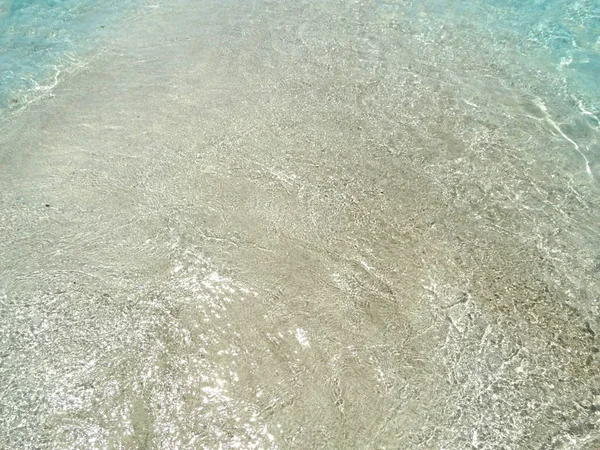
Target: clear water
column 559, row 38
column 302, row 224
column 40, row 39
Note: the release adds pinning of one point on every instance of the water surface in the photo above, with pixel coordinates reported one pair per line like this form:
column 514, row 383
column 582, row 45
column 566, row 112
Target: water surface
column 294, row 224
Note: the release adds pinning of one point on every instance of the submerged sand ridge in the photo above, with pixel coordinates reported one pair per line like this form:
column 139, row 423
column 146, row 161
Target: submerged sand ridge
column 297, row 225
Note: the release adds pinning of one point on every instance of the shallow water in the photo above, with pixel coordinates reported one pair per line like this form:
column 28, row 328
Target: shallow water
column 41, row 40
column 308, row 225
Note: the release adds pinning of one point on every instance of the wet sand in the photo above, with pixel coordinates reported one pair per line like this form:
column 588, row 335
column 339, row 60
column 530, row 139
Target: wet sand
column 299, row 225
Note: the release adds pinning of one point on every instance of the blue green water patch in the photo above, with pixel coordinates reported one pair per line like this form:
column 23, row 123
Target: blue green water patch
column 559, row 38
column 568, row 31
column 39, row 39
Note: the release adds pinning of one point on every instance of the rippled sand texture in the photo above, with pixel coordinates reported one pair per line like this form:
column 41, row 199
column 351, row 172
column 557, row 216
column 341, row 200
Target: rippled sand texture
column 300, row 225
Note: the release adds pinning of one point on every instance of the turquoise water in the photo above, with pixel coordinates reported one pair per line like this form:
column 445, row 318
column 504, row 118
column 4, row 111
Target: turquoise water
column 547, row 48
column 40, row 39
column 555, row 39
column 563, row 35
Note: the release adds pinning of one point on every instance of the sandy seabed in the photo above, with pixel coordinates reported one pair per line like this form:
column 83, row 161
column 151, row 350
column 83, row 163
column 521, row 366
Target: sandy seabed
column 300, row 225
